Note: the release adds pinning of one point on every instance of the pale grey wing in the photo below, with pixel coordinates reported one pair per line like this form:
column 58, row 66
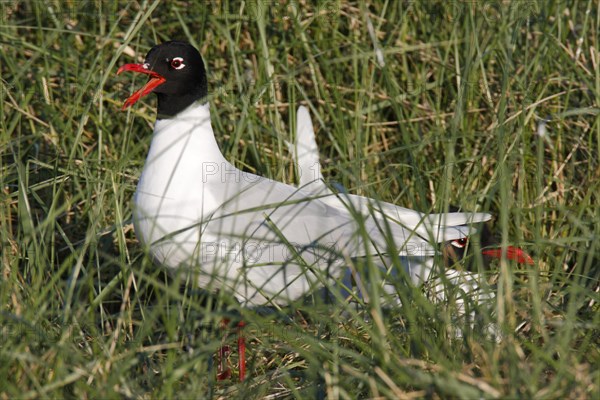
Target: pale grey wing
column 267, row 209
column 275, row 254
column 281, row 243
column 412, row 217
column 274, row 244
column 437, row 227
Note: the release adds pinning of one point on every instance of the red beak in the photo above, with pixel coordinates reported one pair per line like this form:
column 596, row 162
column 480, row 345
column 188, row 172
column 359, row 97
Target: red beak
column 154, row 81
column 512, row 253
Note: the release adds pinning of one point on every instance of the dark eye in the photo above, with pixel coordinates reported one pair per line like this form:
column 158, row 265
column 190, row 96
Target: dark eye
column 177, row 63
column 460, row 243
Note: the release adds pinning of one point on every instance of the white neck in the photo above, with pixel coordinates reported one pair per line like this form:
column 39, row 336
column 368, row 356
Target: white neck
column 188, row 136
column 183, row 157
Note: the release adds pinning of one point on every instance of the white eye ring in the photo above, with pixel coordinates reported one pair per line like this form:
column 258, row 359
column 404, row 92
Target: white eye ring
column 177, row 63
column 459, row 243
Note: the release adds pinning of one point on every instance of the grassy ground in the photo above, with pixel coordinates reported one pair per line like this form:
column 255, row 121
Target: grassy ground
column 489, row 105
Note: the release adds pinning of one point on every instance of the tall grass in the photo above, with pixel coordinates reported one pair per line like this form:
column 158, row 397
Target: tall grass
column 488, row 105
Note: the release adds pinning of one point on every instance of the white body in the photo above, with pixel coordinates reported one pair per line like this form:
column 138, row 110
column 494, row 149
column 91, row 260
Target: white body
column 266, row 241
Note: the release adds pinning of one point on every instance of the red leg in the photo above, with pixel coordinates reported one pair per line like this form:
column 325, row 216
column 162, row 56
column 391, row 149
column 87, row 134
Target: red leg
column 242, row 350
column 223, row 371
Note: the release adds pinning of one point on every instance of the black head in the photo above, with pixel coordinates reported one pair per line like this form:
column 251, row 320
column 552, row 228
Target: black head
column 459, row 250
column 177, row 76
